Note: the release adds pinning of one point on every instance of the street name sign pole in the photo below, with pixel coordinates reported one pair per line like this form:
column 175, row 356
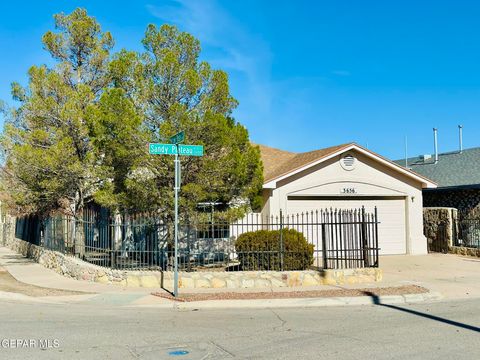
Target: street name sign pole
column 177, row 188
column 177, row 138
column 177, row 149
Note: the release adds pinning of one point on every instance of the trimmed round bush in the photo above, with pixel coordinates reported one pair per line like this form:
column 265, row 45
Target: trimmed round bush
column 261, row 250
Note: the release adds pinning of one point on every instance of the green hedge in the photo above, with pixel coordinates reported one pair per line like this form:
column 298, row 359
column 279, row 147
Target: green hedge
column 260, row 250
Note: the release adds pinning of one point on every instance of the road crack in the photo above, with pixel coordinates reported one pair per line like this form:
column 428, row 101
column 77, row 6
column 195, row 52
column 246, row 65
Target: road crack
column 222, row 349
column 275, row 328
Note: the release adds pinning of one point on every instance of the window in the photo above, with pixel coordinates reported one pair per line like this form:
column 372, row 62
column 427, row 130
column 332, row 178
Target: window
column 215, row 231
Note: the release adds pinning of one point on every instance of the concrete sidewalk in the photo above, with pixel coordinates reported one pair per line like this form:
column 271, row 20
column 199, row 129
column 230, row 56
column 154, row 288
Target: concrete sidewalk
column 448, row 276
column 29, row 272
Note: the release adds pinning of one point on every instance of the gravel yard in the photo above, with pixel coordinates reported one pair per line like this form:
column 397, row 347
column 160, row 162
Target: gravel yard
column 397, row 290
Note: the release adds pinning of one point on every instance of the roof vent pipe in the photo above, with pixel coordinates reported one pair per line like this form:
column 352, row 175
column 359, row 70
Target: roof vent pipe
column 435, row 143
column 460, row 137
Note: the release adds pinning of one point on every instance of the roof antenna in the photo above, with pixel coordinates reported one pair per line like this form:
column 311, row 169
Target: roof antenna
column 406, row 151
column 435, row 144
column 460, row 137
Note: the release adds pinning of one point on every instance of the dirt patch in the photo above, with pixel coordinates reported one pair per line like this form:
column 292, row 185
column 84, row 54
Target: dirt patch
column 9, row 284
column 397, row 290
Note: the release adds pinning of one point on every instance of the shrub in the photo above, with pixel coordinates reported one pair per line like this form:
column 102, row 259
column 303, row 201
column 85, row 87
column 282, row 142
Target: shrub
column 260, row 250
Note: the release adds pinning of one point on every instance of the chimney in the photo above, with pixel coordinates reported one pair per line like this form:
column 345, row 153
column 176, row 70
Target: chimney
column 460, row 137
column 435, row 143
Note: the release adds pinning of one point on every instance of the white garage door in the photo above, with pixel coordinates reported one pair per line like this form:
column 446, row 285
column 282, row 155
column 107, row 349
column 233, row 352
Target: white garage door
column 391, row 215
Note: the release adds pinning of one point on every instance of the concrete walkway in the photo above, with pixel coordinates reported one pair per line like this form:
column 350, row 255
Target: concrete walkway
column 451, row 276
column 454, row 276
column 29, row 272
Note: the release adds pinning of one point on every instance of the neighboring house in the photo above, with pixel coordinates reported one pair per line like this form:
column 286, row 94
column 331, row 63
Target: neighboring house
column 346, row 177
column 457, row 175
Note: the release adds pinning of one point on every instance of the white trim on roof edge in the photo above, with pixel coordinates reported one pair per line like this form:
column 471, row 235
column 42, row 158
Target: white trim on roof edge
column 272, row 184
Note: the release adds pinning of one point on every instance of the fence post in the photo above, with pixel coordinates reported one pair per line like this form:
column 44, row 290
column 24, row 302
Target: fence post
column 376, row 238
column 324, row 247
column 281, row 240
column 364, row 239
column 189, row 229
column 111, row 230
column 112, row 259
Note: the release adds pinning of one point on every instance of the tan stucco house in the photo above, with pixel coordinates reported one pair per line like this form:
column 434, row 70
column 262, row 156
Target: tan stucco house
column 345, row 177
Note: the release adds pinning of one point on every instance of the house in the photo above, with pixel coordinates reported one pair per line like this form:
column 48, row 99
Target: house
column 345, row 177
column 457, row 175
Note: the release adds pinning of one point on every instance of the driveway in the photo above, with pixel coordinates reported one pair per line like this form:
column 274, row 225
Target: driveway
column 454, row 276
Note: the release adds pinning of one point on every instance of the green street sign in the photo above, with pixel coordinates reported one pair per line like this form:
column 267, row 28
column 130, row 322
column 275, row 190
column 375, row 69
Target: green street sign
column 170, row 149
column 162, row 149
column 178, row 138
column 190, row 150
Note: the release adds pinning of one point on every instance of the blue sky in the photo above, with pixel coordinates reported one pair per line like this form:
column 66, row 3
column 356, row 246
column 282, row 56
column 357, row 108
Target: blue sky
column 308, row 74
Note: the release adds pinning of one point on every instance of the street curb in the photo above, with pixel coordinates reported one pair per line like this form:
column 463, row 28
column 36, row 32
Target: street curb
column 250, row 304
column 298, row 302
column 308, row 302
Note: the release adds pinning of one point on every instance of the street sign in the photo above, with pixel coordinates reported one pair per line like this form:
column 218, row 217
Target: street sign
column 178, row 138
column 190, row 150
column 176, row 149
column 162, row 149
column 171, row 149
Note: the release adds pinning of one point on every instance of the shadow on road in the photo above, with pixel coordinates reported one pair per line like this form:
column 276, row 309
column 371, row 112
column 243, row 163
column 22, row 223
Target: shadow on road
column 376, row 301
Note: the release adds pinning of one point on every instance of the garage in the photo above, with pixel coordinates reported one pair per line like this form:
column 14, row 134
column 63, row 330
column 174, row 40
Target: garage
column 349, row 177
column 391, row 215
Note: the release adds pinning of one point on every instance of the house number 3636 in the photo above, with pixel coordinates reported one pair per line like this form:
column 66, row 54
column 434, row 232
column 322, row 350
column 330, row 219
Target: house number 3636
column 348, row 191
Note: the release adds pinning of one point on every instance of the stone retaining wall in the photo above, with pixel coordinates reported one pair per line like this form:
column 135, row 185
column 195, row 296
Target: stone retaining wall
column 460, row 250
column 438, row 227
column 75, row 268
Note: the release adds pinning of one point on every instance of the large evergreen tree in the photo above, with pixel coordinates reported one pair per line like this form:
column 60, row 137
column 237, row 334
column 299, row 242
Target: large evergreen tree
column 174, row 91
column 82, row 127
column 51, row 160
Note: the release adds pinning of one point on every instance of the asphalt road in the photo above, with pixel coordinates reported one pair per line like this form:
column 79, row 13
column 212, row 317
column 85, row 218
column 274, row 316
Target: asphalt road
column 442, row 330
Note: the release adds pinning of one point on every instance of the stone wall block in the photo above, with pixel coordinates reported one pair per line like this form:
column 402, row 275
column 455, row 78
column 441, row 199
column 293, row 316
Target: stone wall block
column 218, row 282
column 186, row 283
column 248, row 283
column 202, row 283
column 262, row 283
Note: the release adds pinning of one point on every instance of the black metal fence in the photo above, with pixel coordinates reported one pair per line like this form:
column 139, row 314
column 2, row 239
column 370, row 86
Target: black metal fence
column 467, row 233
column 340, row 239
column 463, row 233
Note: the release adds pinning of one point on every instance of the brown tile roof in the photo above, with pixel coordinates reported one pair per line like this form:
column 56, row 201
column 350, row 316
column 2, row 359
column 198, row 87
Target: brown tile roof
column 278, row 162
